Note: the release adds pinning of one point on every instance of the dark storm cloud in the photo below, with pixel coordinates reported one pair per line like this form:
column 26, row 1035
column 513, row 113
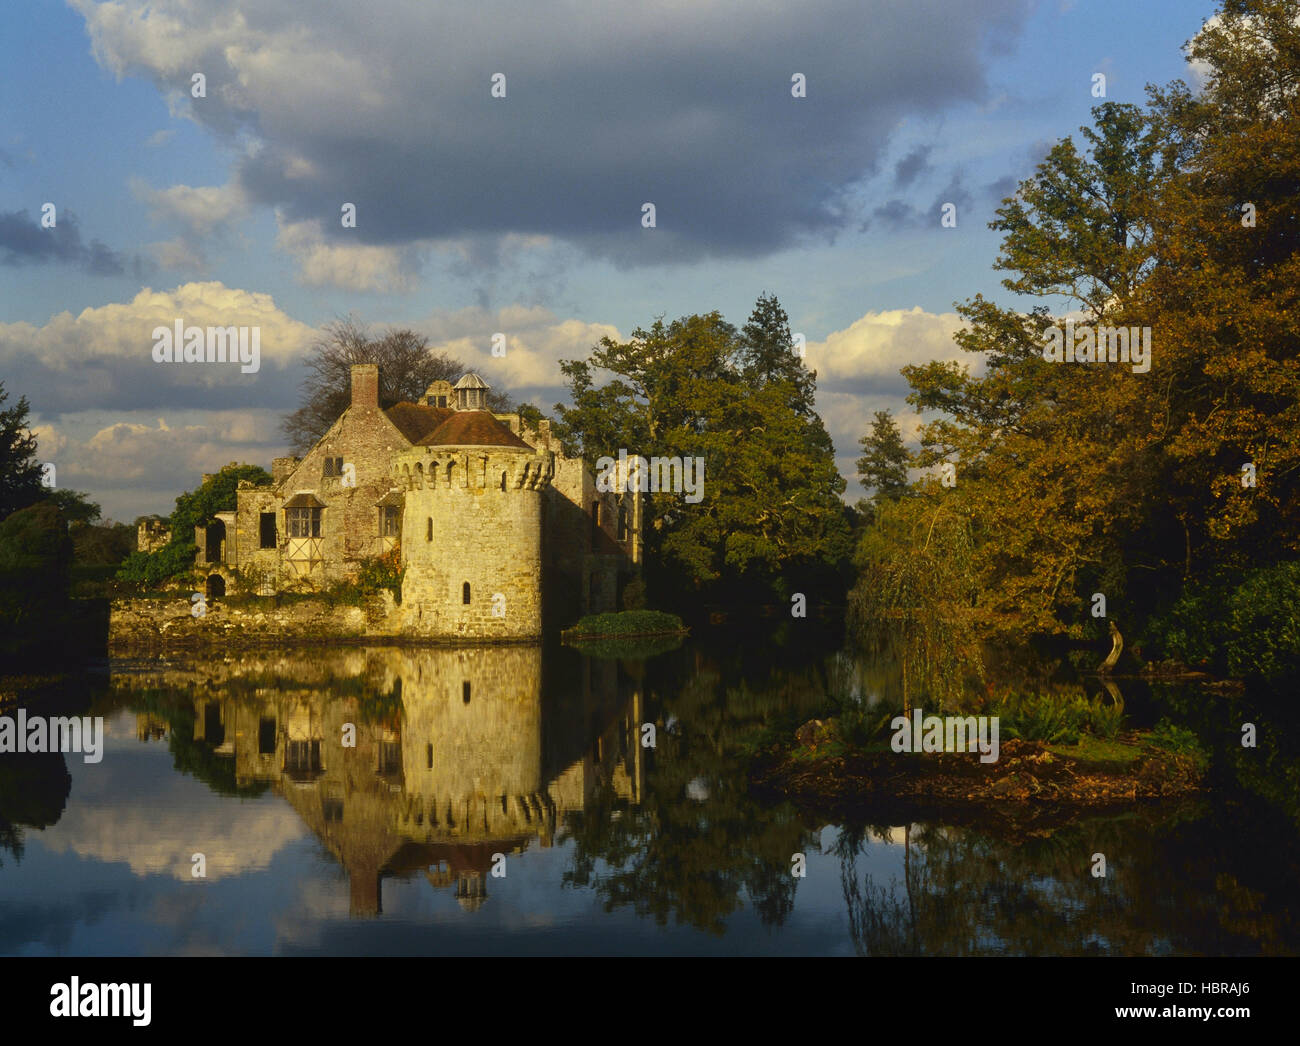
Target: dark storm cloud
column 23, row 241
column 686, row 106
column 910, row 166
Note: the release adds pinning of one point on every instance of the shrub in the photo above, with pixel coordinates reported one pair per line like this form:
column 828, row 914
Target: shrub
column 630, row 622
column 1176, row 739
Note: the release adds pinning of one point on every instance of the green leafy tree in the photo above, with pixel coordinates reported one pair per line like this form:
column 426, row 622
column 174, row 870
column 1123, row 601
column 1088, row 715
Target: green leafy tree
column 771, row 515
column 35, row 560
column 20, row 472
column 194, row 508
column 883, row 465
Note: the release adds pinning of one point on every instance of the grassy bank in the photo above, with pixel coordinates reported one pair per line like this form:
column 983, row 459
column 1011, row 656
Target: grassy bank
column 822, row 768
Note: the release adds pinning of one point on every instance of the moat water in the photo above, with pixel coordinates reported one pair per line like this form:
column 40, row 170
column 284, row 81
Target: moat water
column 519, row 801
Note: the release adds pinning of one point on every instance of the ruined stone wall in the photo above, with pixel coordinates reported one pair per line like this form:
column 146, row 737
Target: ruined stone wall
column 460, row 527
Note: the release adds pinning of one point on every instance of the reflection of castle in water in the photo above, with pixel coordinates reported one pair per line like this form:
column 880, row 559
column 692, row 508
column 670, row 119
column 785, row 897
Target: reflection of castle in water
column 458, row 756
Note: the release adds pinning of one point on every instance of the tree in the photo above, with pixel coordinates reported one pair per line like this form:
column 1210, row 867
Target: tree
column 195, row 508
column 407, row 367
column 20, row 472
column 35, row 558
column 768, row 357
column 695, row 388
column 883, row 465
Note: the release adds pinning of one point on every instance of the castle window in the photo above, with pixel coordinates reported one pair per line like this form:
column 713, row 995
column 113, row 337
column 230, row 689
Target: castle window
column 266, row 735
column 388, row 521
column 464, row 593
column 302, row 757
column 428, row 529
column 390, row 758
column 333, row 467
column 622, row 523
column 464, row 691
column 266, row 529
column 428, row 754
column 503, row 481
column 303, row 522
column 595, row 521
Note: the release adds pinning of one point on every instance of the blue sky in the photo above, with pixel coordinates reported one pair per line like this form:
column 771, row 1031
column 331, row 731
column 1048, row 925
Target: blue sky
column 519, row 214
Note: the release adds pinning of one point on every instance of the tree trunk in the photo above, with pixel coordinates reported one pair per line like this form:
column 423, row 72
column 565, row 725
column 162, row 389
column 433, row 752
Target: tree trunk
column 1117, row 647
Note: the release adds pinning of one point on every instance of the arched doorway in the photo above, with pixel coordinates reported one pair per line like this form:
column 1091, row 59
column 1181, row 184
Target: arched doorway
column 216, row 586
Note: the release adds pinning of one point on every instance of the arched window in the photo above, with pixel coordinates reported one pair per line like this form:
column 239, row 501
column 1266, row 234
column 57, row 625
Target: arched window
column 503, row 479
column 464, row 593
column 428, row 529
column 464, row 691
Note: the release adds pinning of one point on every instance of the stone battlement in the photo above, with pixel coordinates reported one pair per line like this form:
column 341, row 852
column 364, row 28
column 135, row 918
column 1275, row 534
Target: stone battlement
column 440, row 468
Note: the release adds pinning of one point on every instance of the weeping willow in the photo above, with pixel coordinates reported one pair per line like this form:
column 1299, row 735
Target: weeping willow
column 916, row 596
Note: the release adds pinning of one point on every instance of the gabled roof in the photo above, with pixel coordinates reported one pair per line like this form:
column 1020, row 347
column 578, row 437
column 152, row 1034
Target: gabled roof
column 473, row 428
column 415, row 421
column 471, row 381
column 304, row 501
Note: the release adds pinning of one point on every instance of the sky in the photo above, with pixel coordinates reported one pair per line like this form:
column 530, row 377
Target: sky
column 221, row 201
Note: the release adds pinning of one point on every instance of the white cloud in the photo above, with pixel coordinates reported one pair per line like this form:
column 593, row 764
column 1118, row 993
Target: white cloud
column 878, row 344
column 536, row 341
column 102, row 357
column 346, row 266
column 198, row 209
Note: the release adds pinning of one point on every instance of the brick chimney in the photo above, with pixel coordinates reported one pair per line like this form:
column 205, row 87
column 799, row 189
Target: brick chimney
column 365, row 385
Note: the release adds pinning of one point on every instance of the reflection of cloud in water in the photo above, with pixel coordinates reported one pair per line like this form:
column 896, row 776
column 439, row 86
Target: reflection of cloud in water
column 155, row 840
column 135, row 809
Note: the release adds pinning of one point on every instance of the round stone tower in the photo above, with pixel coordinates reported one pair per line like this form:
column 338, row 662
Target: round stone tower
column 472, row 531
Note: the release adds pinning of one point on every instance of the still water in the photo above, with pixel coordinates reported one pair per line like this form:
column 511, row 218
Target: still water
column 516, row 800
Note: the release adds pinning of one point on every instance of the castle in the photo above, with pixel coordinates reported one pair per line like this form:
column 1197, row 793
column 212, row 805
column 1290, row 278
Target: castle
column 497, row 529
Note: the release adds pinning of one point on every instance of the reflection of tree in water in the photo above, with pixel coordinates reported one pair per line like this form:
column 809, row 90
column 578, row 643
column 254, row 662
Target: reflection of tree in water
column 973, row 892
column 698, row 840
column 34, row 789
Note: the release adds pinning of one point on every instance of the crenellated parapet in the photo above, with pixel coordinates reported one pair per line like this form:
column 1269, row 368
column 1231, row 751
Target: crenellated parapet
column 473, row 468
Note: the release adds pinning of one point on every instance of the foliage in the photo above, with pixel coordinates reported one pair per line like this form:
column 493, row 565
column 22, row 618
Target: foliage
column 1250, row 628
column 382, row 572
column 628, row 623
column 916, row 593
column 35, row 560
column 1056, row 718
column 1176, row 739
column 883, row 465
column 20, row 472
column 194, row 508
column 771, row 520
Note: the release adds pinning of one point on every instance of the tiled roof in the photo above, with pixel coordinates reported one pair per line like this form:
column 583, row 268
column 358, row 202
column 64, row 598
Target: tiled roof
column 415, row 421
column 473, row 428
